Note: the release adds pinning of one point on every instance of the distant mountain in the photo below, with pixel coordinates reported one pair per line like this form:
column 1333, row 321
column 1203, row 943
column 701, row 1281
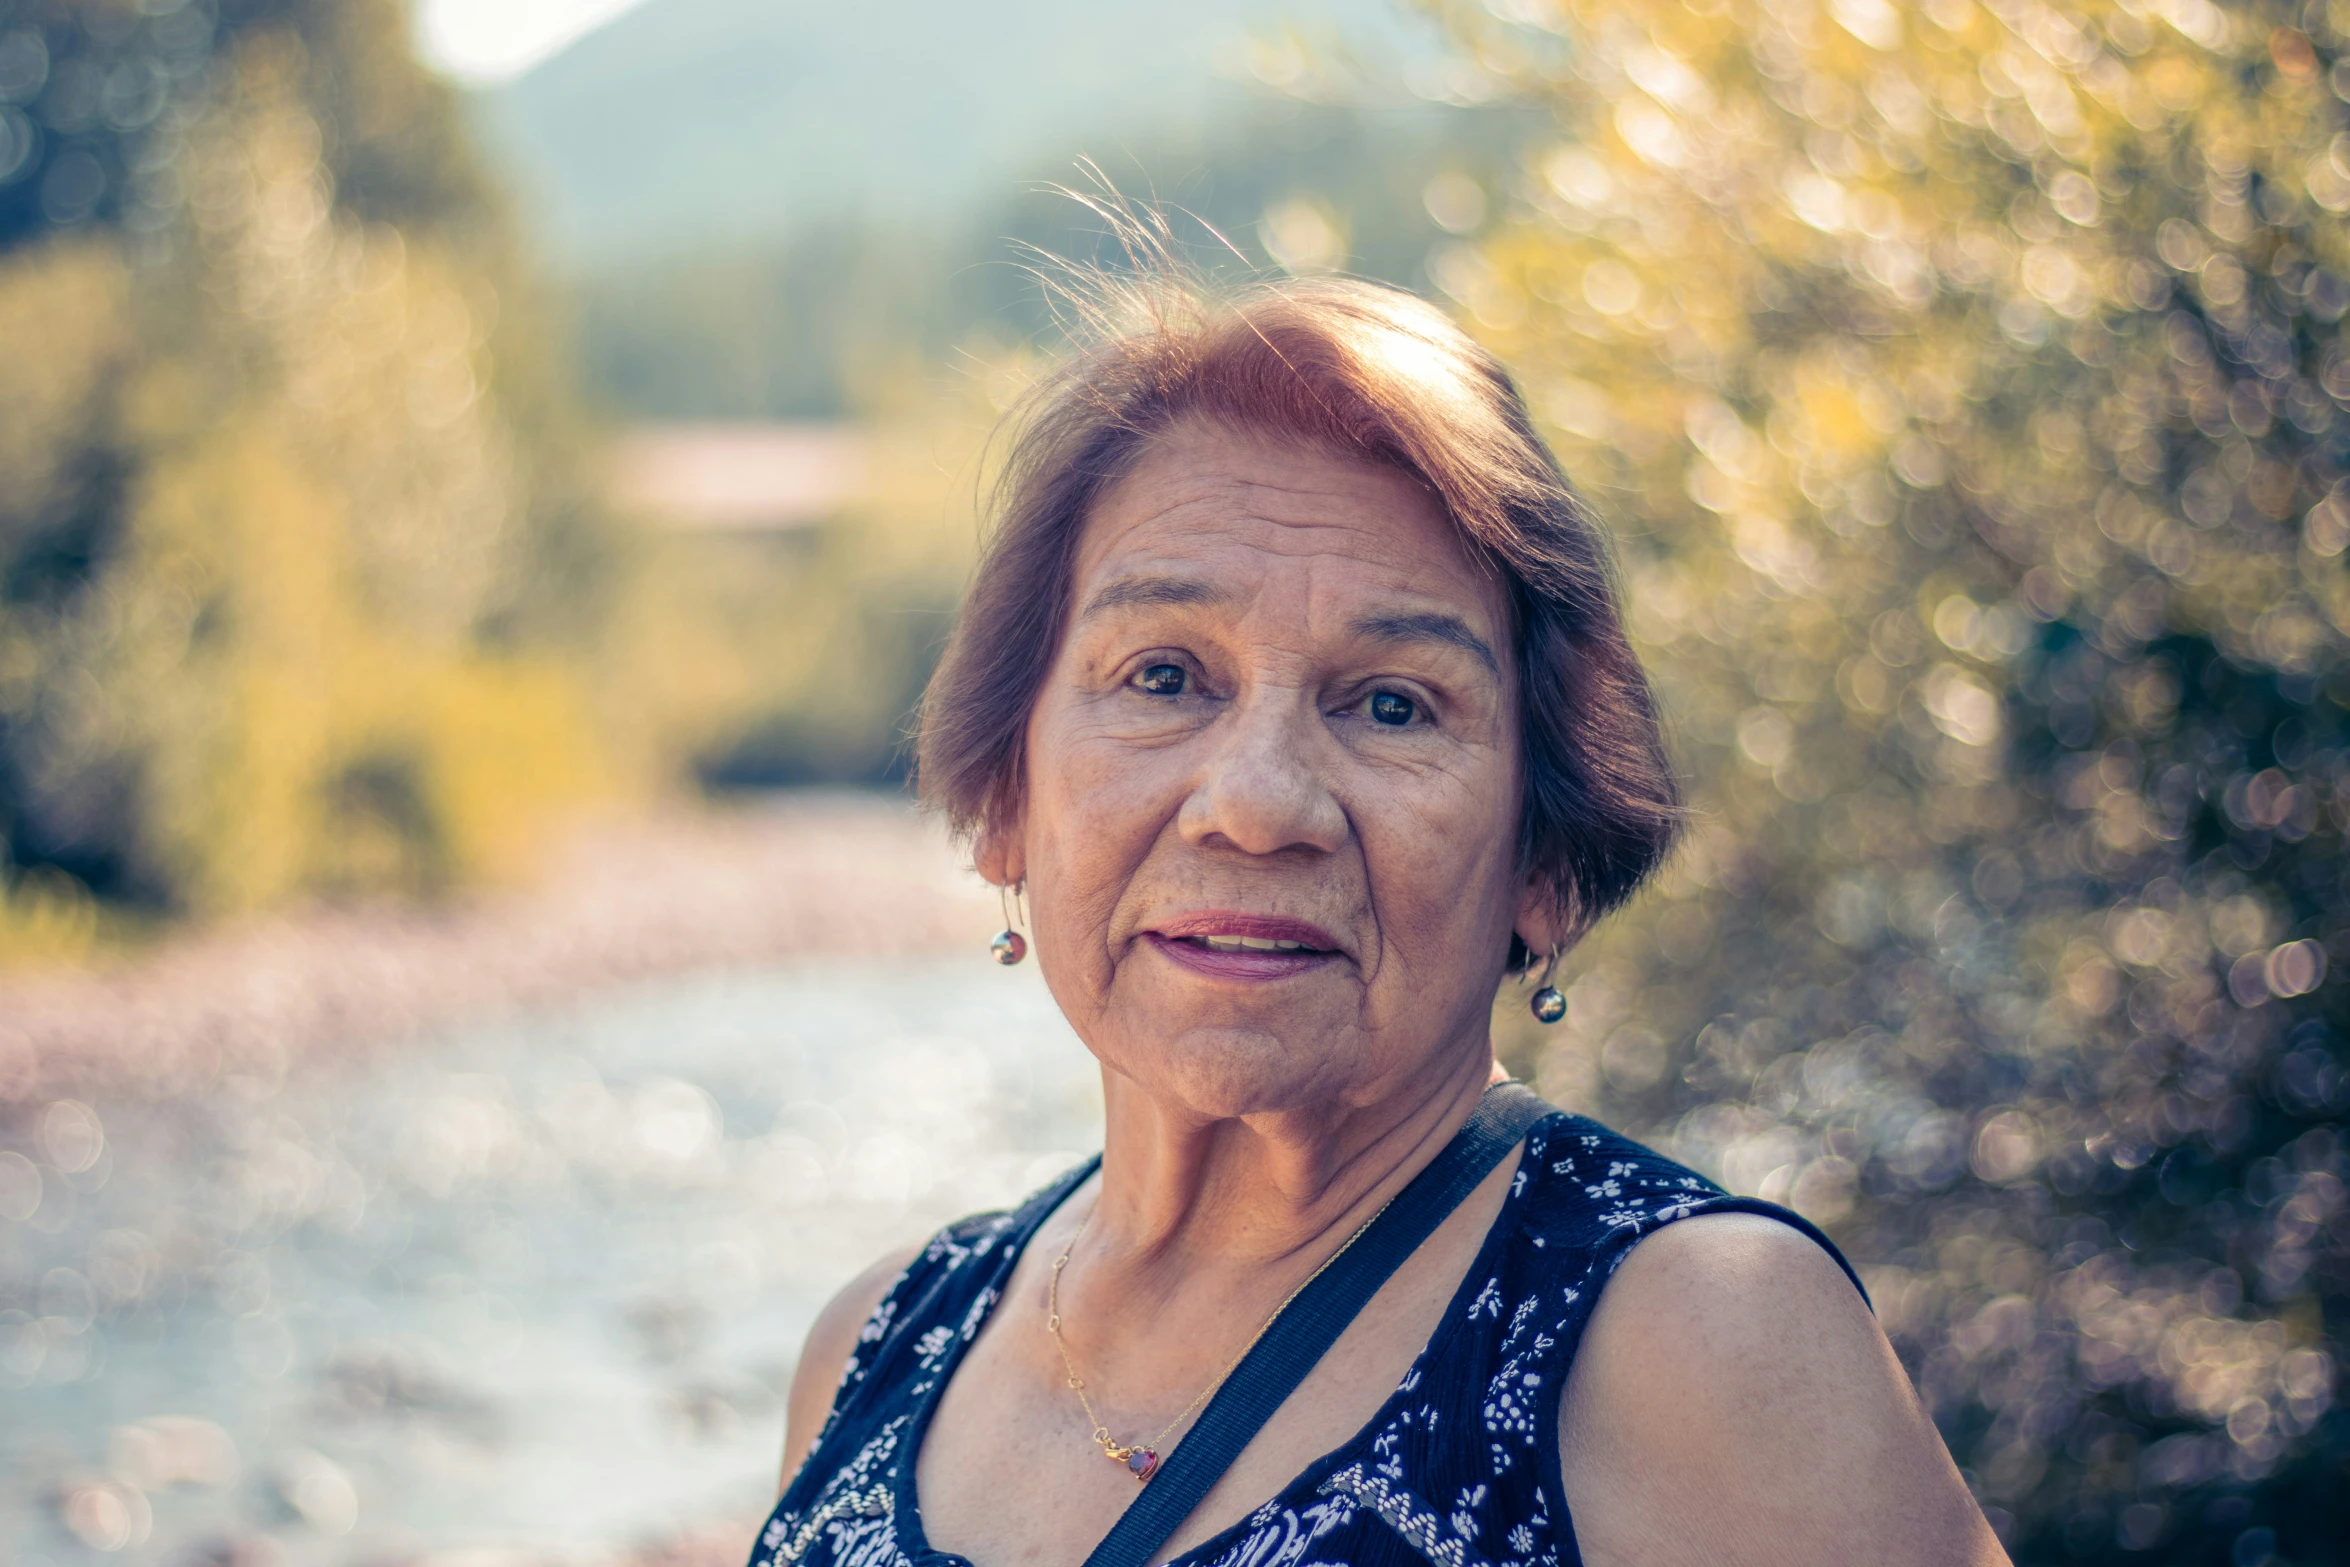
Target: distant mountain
column 800, row 327
column 690, row 124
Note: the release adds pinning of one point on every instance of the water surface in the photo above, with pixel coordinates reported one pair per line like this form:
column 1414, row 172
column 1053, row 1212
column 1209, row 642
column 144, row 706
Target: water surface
column 525, row 1290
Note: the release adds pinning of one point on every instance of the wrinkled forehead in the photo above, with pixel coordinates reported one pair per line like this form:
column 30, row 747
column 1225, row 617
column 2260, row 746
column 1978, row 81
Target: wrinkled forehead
column 1211, row 513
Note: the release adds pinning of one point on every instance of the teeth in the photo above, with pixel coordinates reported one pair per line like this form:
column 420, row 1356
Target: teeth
column 1250, row 944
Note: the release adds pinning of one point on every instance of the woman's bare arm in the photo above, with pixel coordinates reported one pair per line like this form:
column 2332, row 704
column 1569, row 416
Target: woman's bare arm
column 824, row 1358
column 1735, row 1405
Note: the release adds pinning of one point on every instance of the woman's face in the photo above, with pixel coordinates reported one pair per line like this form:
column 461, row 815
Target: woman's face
column 1273, row 782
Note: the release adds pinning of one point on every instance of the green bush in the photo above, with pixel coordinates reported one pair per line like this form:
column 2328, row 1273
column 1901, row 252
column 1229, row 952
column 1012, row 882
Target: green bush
column 1967, row 385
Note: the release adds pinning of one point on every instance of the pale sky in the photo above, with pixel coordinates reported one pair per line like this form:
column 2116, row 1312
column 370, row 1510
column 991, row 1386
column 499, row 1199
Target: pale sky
column 488, row 40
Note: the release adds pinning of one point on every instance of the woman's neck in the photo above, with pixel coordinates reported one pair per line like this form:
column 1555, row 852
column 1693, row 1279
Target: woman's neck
column 1183, row 1194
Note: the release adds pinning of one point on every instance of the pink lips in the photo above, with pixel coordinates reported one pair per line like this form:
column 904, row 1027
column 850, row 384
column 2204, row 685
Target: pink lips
column 1179, row 939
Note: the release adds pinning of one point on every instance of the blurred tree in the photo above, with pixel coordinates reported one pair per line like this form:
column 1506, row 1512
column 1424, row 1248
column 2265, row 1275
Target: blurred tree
column 299, row 567
column 1966, row 382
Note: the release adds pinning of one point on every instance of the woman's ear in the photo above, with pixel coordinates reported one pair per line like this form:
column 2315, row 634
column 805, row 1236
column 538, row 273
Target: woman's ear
column 998, row 853
column 1546, row 921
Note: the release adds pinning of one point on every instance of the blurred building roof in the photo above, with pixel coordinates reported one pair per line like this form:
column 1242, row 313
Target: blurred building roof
column 741, row 477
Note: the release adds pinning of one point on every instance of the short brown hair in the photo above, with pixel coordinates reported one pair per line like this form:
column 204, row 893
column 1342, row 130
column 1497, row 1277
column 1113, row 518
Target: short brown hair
column 1360, row 370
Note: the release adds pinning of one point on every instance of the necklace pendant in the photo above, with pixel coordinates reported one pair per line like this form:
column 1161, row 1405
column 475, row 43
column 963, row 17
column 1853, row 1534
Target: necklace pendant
column 1142, row 1463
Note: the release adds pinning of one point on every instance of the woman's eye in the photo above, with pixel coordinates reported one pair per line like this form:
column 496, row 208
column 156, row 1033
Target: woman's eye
column 1389, row 708
column 1162, row 680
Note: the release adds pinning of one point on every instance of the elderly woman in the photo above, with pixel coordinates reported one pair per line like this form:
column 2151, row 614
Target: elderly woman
column 1293, row 693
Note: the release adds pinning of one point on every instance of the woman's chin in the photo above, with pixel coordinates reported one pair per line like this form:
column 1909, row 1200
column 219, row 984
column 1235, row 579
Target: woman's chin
column 1222, row 1070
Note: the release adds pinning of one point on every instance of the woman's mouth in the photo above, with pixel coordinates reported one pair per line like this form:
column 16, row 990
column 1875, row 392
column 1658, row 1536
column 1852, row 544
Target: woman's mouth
column 1244, row 946
column 1247, row 944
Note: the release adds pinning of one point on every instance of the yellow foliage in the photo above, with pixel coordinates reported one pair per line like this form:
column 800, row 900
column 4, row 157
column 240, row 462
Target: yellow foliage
column 280, row 676
column 65, row 321
column 45, row 917
column 1966, row 383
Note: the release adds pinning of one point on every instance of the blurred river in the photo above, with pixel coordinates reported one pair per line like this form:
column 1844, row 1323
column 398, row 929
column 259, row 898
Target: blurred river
column 527, row 1290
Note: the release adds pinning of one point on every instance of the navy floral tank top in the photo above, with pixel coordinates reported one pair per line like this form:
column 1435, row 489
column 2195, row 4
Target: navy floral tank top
column 1460, row 1468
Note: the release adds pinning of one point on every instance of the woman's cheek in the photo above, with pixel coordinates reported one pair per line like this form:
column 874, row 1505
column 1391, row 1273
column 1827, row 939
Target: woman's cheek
column 1439, row 835
column 1097, row 774
column 1438, row 789
column 1104, row 804
column 1115, row 763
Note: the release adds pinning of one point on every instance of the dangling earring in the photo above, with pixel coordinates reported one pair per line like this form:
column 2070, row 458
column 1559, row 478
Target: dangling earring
column 1009, row 945
column 1548, row 1005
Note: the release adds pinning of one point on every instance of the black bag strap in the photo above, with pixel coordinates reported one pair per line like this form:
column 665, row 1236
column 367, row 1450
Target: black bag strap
column 1306, row 1328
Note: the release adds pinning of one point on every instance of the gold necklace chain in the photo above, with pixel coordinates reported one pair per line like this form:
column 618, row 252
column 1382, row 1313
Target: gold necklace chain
column 1142, row 1458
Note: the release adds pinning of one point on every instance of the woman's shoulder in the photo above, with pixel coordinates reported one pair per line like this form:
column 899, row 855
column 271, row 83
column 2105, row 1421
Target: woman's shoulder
column 878, row 1304
column 953, row 1274
column 1590, row 1195
column 1733, row 1372
column 829, row 1359
column 1581, row 1178
column 1721, row 1359
column 917, row 1295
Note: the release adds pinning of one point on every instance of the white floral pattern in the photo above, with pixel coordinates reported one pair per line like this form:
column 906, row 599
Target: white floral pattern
column 1280, row 1536
column 1474, row 1421
column 854, row 1516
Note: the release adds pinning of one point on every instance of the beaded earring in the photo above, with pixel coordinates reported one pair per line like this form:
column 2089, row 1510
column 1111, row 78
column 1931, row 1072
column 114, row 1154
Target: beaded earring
column 1009, row 945
column 1548, row 1006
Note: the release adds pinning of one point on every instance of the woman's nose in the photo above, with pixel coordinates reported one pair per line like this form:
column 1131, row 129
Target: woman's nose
column 1261, row 789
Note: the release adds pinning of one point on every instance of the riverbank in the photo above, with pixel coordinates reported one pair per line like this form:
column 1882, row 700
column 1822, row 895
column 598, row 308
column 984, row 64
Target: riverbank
column 787, row 877
column 523, row 1290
